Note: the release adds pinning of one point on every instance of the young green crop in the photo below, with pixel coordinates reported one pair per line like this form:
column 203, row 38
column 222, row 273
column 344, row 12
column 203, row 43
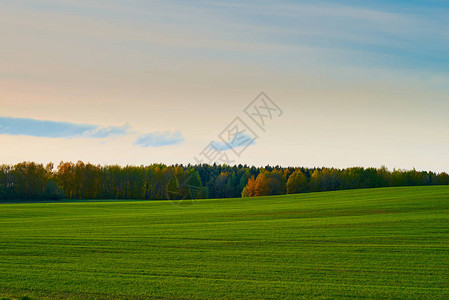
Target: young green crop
column 375, row 243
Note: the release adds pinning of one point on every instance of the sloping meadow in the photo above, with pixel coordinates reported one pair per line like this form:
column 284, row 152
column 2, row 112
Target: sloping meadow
column 389, row 242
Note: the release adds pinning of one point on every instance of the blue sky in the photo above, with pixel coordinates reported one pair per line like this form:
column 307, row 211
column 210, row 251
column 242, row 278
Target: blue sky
column 366, row 77
column 405, row 34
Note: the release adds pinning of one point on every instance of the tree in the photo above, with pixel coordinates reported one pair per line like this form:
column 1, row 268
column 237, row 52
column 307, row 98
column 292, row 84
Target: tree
column 250, row 189
column 297, row 183
column 30, row 180
column 267, row 183
column 443, row 178
column 53, row 191
column 221, row 185
column 315, row 181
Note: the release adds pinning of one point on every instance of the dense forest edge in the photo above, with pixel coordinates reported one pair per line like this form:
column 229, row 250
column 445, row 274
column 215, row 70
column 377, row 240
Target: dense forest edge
column 34, row 181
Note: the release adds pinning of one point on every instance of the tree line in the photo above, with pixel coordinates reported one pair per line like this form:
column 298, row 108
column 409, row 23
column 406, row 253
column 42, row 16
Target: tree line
column 300, row 180
column 33, row 181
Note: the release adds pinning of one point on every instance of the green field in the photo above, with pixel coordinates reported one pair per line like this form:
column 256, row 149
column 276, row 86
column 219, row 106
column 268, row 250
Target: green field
column 375, row 243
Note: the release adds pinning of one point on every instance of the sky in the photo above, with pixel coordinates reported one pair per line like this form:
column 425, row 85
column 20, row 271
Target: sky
column 346, row 83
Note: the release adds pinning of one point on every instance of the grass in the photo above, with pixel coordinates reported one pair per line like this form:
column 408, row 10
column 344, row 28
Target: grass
column 374, row 243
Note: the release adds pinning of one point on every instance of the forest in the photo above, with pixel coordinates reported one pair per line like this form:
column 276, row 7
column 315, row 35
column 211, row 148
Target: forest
column 68, row 180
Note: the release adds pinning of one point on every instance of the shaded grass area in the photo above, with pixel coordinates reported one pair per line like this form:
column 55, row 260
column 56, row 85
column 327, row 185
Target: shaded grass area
column 391, row 242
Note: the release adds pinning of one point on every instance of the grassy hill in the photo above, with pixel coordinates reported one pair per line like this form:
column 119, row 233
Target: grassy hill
column 391, row 242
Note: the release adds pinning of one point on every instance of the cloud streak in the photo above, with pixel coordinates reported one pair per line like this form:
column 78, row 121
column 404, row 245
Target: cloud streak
column 52, row 129
column 159, row 139
column 67, row 130
column 240, row 139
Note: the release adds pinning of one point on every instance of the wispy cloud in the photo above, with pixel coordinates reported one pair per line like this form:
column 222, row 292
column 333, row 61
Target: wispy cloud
column 240, row 139
column 52, row 129
column 159, row 139
column 376, row 34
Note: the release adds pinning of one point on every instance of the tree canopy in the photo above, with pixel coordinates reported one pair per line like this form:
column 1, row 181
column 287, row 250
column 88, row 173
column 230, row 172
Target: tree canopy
column 68, row 180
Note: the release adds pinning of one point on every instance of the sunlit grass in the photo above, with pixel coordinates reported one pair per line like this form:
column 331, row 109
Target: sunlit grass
column 376, row 243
